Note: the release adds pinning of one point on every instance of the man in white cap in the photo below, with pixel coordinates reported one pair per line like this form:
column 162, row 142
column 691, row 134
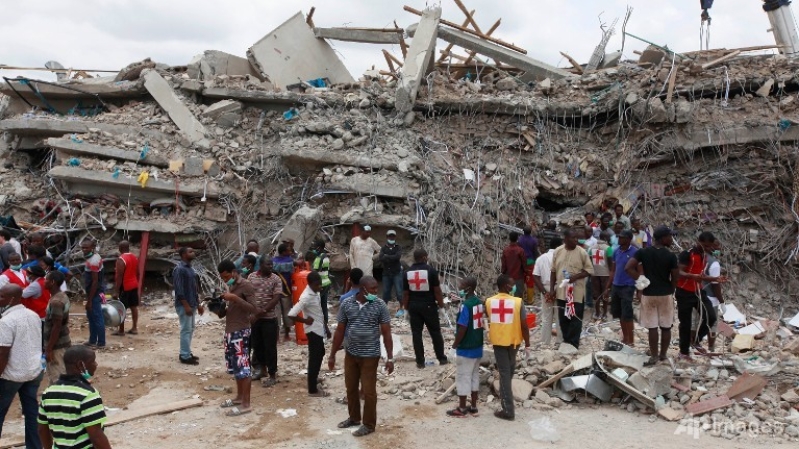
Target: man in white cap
column 363, row 251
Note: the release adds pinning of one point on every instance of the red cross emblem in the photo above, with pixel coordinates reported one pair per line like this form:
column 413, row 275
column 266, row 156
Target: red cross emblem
column 477, row 316
column 501, row 310
column 599, row 258
column 417, row 281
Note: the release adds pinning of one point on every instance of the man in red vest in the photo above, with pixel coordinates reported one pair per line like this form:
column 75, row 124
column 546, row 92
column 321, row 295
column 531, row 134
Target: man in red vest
column 14, row 274
column 35, row 297
column 126, row 284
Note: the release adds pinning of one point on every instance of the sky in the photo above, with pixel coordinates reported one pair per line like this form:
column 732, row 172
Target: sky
column 110, row 34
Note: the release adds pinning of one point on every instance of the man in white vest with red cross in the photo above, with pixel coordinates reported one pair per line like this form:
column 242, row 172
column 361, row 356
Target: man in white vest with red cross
column 506, row 330
column 421, row 297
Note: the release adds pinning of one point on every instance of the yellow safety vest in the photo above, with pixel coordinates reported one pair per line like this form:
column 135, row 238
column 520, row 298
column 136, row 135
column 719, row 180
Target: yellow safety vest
column 504, row 314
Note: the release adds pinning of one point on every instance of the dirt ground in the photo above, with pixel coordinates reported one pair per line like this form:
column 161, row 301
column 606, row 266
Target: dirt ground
column 143, row 370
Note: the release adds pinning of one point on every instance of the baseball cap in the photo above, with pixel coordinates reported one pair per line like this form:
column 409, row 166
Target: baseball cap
column 36, row 271
column 662, row 231
column 391, row 232
column 367, row 228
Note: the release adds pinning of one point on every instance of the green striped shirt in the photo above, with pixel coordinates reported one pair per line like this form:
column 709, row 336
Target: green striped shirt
column 68, row 407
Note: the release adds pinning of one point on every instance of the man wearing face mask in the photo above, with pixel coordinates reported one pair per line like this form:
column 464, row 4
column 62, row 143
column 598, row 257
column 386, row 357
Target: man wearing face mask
column 14, row 274
column 365, row 319
column 507, row 329
column 422, row 298
column 71, row 413
column 571, row 266
column 240, row 299
column 20, row 360
column 248, row 264
column 390, row 255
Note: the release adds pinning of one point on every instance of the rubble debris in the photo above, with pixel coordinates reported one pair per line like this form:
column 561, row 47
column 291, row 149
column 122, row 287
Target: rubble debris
column 590, row 383
column 748, row 386
column 213, row 63
column 133, row 71
column 653, row 381
column 708, row 405
column 421, row 52
column 225, row 112
column 181, row 115
column 291, row 54
column 69, row 146
column 302, row 227
column 521, row 389
column 743, row 343
column 92, row 182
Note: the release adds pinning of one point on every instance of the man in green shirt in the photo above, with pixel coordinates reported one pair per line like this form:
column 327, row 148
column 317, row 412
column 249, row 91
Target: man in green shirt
column 468, row 348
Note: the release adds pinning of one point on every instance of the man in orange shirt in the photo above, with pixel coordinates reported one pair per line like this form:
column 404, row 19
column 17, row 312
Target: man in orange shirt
column 126, row 285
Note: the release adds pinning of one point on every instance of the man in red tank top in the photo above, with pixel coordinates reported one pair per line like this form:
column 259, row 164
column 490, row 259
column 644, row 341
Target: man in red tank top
column 126, row 285
column 35, row 297
column 14, row 274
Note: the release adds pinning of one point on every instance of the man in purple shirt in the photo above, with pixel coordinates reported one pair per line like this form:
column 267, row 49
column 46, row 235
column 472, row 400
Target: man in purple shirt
column 529, row 244
column 623, row 287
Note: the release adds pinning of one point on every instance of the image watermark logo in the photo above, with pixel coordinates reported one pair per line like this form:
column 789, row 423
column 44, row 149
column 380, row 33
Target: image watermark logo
column 694, row 427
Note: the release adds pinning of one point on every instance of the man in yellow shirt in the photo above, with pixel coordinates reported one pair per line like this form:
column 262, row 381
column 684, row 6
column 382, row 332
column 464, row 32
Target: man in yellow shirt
column 506, row 330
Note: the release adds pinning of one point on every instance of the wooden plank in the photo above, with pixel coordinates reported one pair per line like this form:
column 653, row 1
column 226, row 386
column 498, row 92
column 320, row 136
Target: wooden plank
column 469, row 18
column 125, row 416
column 709, row 405
column 742, row 49
column 672, row 79
column 491, row 30
column 390, row 63
column 309, row 18
column 574, row 63
column 551, row 381
column 403, row 44
column 747, row 386
column 449, row 47
column 468, row 31
column 720, row 60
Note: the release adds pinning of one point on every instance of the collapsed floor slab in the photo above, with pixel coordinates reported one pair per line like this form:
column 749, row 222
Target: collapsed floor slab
column 181, row 115
column 380, row 184
column 47, row 127
column 359, row 35
column 69, row 146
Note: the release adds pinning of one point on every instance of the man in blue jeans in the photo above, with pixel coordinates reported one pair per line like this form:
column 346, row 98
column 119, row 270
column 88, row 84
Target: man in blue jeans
column 390, row 255
column 94, row 283
column 623, row 290
column 187, row 303
column 20, row 360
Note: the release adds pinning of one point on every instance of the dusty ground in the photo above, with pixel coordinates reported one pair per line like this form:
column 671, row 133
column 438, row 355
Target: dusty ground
column 143, row 370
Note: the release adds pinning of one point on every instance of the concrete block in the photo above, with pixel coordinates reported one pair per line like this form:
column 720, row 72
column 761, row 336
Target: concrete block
column 421, row 52
column 193, row 166
column 174, row 107
column 521, row 389
column 302, row 227
column 222, row 107
column 380, row 184
column 96, row 183
column 611, row 60
column 652, row 381
column 356, row 35
column 315, row 159
column 68, row 146
column 214, row 63
column 534, row 68
column 291, row 53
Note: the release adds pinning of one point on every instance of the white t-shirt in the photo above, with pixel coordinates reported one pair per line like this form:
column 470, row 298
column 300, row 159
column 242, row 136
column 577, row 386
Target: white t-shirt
column 715, row 271
column 543, row 268
column 21, row 330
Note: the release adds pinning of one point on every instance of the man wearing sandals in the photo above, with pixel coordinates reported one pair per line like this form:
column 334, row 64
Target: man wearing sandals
column 469, row 348
column 240, row 299
column 365, row 320
column 310, row 304
column 126, row 285
column 661, row 270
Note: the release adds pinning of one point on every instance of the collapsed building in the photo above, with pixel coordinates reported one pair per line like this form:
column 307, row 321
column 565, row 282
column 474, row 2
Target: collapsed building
column 451, row 151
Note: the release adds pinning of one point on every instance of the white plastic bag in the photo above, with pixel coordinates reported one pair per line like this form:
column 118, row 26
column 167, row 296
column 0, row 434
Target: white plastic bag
column 542, row 429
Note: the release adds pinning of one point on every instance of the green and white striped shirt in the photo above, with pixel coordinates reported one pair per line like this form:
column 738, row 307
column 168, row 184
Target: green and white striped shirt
column 68, row 407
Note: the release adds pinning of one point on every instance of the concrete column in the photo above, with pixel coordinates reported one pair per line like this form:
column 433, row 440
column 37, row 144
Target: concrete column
column 783, row 25
column 420, row 54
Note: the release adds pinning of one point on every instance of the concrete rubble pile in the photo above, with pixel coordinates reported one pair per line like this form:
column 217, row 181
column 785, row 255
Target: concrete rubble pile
column 227, row 147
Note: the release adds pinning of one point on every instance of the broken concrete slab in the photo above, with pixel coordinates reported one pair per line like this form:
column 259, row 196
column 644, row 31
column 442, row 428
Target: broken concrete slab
column 164, row 226
column 291, row 53
column 222, row 107
column 46, row 127
column 380, row 184
column 169, row 101
column 214, row 63
column 742, row 343
column 302, row 226
column 669, row 414
column 74, row 90
column 315, row 159
column 96, row 183
column 521, row 389
column 653, row 381
column 567, row 349
column 623, row 360
column 364, row 36
column 418, row 59
column 69, row 146
column 535, row 69
column 611, row 60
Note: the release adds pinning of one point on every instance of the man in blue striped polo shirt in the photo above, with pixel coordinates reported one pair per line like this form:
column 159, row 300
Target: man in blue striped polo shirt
column 71, row 414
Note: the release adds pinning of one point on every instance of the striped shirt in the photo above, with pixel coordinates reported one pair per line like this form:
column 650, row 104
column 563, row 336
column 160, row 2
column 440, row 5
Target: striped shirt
column 362, row 323
column 68, row 407
column 266, row 289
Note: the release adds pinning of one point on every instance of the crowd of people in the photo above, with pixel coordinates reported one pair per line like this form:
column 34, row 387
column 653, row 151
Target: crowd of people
column 610, row 263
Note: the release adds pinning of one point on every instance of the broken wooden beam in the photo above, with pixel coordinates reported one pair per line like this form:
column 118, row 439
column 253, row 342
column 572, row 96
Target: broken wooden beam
column 573, row 62
column 708, row 405
column 466, row 30
column 720, row 60
column 748, row 386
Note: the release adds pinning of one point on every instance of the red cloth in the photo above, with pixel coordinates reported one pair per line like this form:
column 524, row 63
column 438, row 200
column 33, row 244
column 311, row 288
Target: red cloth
column 130, row 280
column 513, row 261
column 694, row 260
column 14, row 279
